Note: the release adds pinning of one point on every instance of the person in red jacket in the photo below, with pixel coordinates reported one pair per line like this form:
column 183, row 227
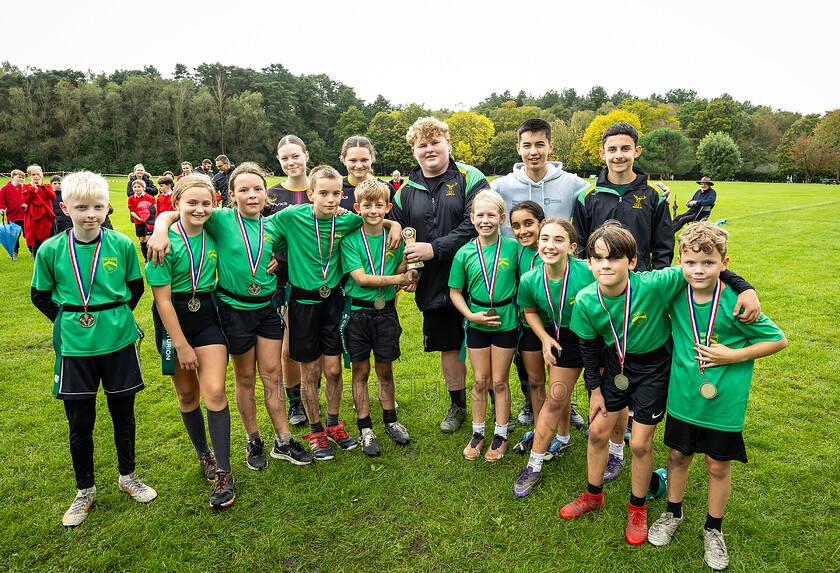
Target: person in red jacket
column 38, row 215
column 164, row 198
column 10, row 203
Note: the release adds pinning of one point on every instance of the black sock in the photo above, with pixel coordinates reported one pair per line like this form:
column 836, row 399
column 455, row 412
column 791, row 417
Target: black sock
column 144, row 248
column 594, row 489
column 675, row 508
column 637, row 501
column 389, row 416
column 492, row 395
column 459, row 397
column 293, row 393
column 194, row 423
column 332, row 419
column 218, row 424
column 714, row 523
column 364, row 423
column 316, row 428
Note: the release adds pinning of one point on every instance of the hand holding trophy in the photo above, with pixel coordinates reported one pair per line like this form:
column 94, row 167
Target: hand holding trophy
column 409, row 235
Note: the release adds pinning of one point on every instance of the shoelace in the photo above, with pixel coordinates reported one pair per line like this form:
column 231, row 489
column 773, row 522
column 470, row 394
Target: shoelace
column 220, row 483
column 320, row 439
column 638, row 517
column 256, row 448
column 79, row 504
column 338, row 431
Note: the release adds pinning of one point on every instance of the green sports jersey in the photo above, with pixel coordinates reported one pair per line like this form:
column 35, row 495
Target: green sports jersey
column 466, row 270
column 649, row 324
column 175, row 269
column 118, row 263
column 294, row 227
column 726, row 410
column 234, row 269
column 528, row 259
column 532, row 292
column 354, row 256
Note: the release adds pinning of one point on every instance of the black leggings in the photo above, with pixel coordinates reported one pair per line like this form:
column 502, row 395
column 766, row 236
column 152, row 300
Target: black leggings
column 81, row 416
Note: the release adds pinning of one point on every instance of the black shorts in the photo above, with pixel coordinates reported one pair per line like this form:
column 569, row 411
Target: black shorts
column 691, row 439
column 315, row 328
column 200, row 328
column 528, row 341
column 648, row 374
column 373, row 330
column 570, row 356
column 79, row 376
column 443, row 329
column 485, row 338
column 241, row 327
column 142, row 230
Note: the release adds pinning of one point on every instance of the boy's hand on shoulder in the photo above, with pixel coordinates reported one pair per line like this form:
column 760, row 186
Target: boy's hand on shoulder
column 395, row 235
column 339, row 211
column 272, row 266
column 158, row 246
column 665, row 191
column 718, row 355
column 747, row 307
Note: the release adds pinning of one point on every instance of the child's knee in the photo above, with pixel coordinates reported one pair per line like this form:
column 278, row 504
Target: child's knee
column 640, row 445
column 717, row 469
column 676, row 457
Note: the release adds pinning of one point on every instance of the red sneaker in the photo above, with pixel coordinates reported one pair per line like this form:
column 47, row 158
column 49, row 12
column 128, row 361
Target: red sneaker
column 340, row 436
column 636, row 531
column 584, row 504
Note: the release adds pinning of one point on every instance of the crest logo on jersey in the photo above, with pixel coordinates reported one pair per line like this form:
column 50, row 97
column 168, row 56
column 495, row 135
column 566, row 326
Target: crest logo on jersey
column 389, row 255
column 638, row 317
column 110, row 264
column 638, row 203
column 451, row 188
column 212, row 256
column 504, row 264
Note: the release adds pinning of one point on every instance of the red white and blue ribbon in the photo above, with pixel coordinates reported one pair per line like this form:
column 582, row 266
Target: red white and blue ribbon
column 558, row 317
column 251, row 262
column 381, row 272
column 195, row 274
column 489, row 281
column 710, row 326
column 534, row 258
column 77, row 272
column 619, row 348
column 325, row 268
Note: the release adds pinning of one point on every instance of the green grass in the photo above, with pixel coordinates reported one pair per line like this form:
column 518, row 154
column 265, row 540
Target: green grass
column 423, row 508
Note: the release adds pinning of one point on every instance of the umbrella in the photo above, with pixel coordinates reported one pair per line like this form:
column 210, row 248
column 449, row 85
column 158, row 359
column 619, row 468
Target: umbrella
column 9, row 233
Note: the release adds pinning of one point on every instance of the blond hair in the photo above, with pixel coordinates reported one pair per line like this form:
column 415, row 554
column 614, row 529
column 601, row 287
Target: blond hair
column 426, row 128
column 322, row 172
column 84, row 186
column 489, row 196
column 372, row 190
column 704, row 236
column 188, row 182
column 16, row 172
column 34, row 169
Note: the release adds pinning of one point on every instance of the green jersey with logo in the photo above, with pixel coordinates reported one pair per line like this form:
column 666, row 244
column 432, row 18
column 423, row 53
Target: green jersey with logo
column 354, row 256
column 175, row 270
column 532, row 292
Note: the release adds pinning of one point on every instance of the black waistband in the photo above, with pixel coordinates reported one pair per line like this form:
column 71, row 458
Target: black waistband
column 504, row 302
column 184, row 296
column 92, row 307
column 298, row 293
column 656, row 353
column 248, row 299
column 369, row 304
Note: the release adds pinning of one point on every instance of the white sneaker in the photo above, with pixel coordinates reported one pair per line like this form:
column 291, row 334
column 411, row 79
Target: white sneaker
column 714, row 545
column 79, row 508
column 132, row 485
column 663, row 529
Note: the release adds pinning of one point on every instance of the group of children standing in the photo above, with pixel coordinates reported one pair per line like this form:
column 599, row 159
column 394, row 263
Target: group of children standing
column 339, row 260
column 29, row 205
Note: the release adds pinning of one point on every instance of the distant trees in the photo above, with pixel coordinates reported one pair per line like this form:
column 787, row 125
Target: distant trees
column 718, row 155
column 665, row 151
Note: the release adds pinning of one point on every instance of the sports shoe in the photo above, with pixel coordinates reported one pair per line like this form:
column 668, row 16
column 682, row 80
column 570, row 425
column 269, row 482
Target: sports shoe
column 208, row 465
column 526, row 444
column 662, row 485
column 223, row 494
column 297, row 415
column 636, row 531
column 663, row 529
column 453, row 419
column 320, row 446
column 555, row 448
column 474, row 447
column 255, row 454
column 79, row 508
column 497, row 450
column 139, row 491
column 398, row 433
column 526, row 416
column 292, row 452
column 576, row 419
column 584, row 504
column 367, row 439
column 614, row 467
column 526, row 481
column 511, row 423
column 340, row 437
column 716, row 556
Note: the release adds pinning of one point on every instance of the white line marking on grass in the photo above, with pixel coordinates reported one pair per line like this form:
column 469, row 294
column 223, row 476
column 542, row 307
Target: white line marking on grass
column 783, row 210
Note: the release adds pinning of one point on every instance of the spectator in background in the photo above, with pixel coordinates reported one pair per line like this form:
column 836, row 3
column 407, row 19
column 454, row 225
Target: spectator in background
column 700, row 206
column 164, row 199
column 205, row 168
column 186, row 169
column 62, row 222
column 396, row 181
column 140, row 173
column 220, row 180
column 11, row 199
column 38, row 213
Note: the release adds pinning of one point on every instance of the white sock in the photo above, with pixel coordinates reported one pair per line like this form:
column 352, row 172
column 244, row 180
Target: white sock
column 535, row 461
column 501, row 431
column 478, row 428
column 617, row 450
column 563, row 439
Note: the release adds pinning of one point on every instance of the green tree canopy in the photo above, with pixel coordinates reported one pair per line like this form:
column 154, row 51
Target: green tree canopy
column 718, row 155
column 470, row 135
column 502, row 154
column 592, row 137
column 387, row 134
column 665, row 151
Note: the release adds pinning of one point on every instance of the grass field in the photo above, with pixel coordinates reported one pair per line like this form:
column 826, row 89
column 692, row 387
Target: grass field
column 423, row 507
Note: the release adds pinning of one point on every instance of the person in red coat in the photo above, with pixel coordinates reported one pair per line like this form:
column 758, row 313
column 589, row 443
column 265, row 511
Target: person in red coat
column 10, row 203
column 38, row 215
column 164, row 198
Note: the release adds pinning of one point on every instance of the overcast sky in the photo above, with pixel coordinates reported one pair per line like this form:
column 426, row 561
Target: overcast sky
column 452, row 54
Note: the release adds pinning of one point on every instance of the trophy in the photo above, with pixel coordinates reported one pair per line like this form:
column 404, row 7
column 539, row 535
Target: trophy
column 409, row 235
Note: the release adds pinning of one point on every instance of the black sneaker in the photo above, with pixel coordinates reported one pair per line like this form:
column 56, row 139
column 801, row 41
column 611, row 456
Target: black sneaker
column 368, row 441
column 208, row 465
column 526, row 416
column 576, row 419
column 398, row 433
column 255, row 454
column 292, row 452
column 297, row 415
column 223, row 494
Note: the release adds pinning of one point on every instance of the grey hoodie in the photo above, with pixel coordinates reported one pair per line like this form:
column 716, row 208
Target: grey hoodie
column 556, row 193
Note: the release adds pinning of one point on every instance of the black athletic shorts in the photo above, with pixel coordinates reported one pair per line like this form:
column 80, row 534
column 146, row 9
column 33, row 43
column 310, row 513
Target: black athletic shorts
column 241, row 327
column 528, row 341
column 376, row 331
column 691, row 439
column 142, row 230
column 443, row 329
column 315, row 327
column 570, row 357
column 648, row 374
column 79, row 376
column 485, row 338
column 200, row 328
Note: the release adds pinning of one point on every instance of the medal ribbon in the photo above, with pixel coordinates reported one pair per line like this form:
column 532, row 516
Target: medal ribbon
column 77, row 272
column 381, row 272
column 621, row 350
column 519, row 261
column 251, row 263
column 559, row 315
column 325, row 268
column 489, row 282
column 195, row 276
column 710, row 326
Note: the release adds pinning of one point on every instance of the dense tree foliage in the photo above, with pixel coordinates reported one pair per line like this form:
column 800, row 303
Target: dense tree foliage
column 665, row 151
column 718, row 155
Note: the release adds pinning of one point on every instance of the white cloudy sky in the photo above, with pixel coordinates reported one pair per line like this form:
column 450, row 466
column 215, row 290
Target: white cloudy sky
column 454, row 53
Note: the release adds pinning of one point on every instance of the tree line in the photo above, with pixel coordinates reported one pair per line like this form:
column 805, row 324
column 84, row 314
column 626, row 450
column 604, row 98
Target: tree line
column 67, row 119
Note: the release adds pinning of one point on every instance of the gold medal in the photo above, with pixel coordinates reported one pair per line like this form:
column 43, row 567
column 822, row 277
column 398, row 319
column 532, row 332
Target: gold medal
column 708, row 390
column 86, row 320
column 254, row 289
column 379, row 303
column 621, row 382
column 194, row 304
column 324, row 291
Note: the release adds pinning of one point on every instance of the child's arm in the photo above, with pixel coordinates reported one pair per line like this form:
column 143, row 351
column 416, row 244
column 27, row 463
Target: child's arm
column 158, row 243
column 394, row 233
column 42, row 299
column 548, row 343
column 375, row 281
column 718, row 354
column 163, row 302
column 475, row 317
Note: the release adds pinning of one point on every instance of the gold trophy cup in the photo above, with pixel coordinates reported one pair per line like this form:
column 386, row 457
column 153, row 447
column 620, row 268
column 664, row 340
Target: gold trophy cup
column 409, row 235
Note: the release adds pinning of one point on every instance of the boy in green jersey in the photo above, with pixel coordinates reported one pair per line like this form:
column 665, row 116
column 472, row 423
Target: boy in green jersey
column 711, row 371
column 87, row 281
column 373, row 325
